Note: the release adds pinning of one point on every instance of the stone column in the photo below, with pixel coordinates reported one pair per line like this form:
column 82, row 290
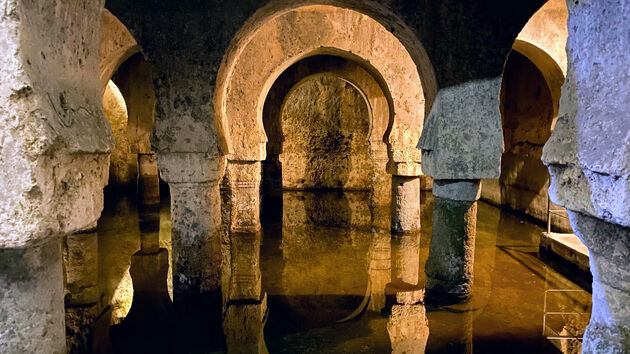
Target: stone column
column 80, row 255
column 148, row 180
column 193, row 179
column 405, row 206
column 449, row 268
column 31, row 299
column 243, row 179
column 609, row 252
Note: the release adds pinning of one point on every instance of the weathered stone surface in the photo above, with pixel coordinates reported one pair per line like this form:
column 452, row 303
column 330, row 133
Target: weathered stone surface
column 462, row 137
column 31, row 300
column 591, row 133
column 547, row 30
column 243, row 178
column 116, row 46
column 405, row 206
column 191, row 167
column 528, row 106
column 459, row 190
column 609, row 252
column 320, row 27
column 449, row 268
column 80, row 256
column 49, row 108
column 196, row 239
column 325, row 128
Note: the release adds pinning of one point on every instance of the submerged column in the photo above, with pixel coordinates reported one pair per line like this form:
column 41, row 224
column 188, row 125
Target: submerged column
column 193, row 179
column 449, row 268
column 148, row 180
column 31, row 299
column 405, row 207
column 609, row 252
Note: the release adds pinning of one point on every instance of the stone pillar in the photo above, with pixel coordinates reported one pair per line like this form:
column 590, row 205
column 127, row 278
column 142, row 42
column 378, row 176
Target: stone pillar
column 449, row 268
column 31, row 299
column 609, row 252
column 148, row 180
column 80, row 255
column 405, row 206
column 196, row 218
column 243, row 179
column 194, row 179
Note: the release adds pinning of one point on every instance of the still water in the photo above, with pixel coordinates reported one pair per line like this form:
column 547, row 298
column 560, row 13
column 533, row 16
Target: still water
column 322, row 277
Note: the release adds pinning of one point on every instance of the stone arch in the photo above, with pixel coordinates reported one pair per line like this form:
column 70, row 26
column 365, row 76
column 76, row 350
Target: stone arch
column 548, row 67
column 403, row 71
column 122, row 61
column 116, row 46
column 547, row 30
column 529, row 104
column 343, row 68
column 542, row 40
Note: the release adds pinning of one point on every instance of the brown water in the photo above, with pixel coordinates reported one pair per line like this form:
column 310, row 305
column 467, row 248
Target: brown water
column 331, row 280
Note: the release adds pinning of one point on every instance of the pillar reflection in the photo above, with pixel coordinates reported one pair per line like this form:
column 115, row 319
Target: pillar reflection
column 151, row 323
column 246, row 308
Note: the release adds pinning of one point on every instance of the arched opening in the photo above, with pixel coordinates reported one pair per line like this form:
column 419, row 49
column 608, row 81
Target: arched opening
column 529, row 108
column 327, row 115
column 318, row 182
column 405, row 83
column 102, row 264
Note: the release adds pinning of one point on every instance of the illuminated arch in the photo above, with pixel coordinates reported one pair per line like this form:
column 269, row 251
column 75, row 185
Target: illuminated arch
column 268, row 45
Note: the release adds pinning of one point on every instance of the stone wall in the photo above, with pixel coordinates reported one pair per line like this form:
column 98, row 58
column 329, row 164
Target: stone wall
column 325, row 127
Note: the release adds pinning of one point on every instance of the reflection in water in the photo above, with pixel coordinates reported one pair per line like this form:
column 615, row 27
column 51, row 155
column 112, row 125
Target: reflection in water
column 290, row 286
column 246, row 312
column 150, row 324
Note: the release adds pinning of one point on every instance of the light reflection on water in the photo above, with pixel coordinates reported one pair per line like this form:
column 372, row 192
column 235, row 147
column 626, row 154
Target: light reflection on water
column 326, row 281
